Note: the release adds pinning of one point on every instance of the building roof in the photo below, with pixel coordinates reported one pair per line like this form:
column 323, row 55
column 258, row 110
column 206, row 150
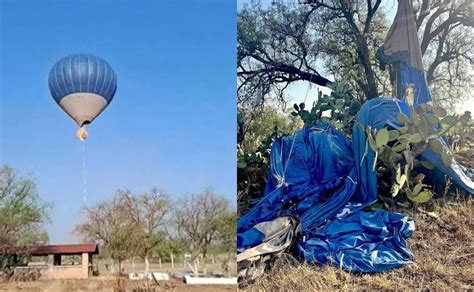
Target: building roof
column 65, row 249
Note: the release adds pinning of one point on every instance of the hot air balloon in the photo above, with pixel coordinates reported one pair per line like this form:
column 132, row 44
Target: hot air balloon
column 83, row 86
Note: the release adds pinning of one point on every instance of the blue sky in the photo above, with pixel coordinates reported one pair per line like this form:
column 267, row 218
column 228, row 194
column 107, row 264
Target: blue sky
column 170, row 125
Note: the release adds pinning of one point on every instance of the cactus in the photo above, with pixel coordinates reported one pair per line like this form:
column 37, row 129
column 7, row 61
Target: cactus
column 395, row 149
column 337, row 109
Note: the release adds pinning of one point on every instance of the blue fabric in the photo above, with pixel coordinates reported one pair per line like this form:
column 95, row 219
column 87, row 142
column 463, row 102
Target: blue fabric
column 82, row 73
column 314, row 184
column 454, row 171
column 249, row 238
column 376, row 113
column 320, row 188
column 360, row 242
column 405, row 75
column 326, row 183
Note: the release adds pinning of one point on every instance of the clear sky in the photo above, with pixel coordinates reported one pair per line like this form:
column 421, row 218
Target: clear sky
column 170, row 125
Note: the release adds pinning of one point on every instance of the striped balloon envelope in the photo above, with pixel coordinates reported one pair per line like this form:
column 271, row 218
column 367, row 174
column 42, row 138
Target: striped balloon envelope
column 83, row 86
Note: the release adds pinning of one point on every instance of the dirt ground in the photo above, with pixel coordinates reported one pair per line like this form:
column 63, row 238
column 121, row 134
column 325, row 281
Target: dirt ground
column 109, row 284
column 443, row 247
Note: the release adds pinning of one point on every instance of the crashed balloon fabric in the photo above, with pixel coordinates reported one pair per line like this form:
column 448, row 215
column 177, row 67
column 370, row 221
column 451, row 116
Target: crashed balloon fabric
column 326, row 182
column 260, row 254
column 401, row 50
column 360, row 241
column 454, row 171
column 318, row 185
column 281, row 227
column 382, row 112
column 309, row 182
column 374, row 114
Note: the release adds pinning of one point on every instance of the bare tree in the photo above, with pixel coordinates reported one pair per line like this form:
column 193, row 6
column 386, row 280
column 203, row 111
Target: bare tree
column 146, row 213
column 198, row 217
column 127, row 225
column 107, row 223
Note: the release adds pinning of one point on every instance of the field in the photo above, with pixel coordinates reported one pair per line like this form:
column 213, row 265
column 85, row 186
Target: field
column 107, row 281
column 108, row 284
column 443, row 247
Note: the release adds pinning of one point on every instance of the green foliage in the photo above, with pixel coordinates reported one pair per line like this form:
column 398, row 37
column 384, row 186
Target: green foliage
column 286, row 42
column 400, row 149
column 254, row 126
column 168, row 246
column 337, row 109
column 22, row 212
column 463, row 130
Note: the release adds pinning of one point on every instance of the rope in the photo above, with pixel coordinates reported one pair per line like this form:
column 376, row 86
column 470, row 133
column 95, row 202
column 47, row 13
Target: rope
column 84, row 185
column 294, row 135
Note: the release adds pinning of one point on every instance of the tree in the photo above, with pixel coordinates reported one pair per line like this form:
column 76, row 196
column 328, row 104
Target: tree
column 107, row 223
column 326, row 42
column 226, row 235
column 22, row 213
column 171, row 248
column 198, row 217
column 447, row 45
column 146, row 213
column 127, row 225
column 351, row 32
column 253, row 126
column 300, row 42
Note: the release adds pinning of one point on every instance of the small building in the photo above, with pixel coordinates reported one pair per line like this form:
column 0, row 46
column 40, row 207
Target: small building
column 62, row 261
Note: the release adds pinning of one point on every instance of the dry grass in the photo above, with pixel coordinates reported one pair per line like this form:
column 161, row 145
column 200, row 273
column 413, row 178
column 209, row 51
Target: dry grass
column 109, row 284
column 444, row 259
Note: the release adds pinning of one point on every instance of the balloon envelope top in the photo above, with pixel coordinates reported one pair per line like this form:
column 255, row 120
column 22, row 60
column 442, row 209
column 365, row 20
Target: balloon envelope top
column 83, row 85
